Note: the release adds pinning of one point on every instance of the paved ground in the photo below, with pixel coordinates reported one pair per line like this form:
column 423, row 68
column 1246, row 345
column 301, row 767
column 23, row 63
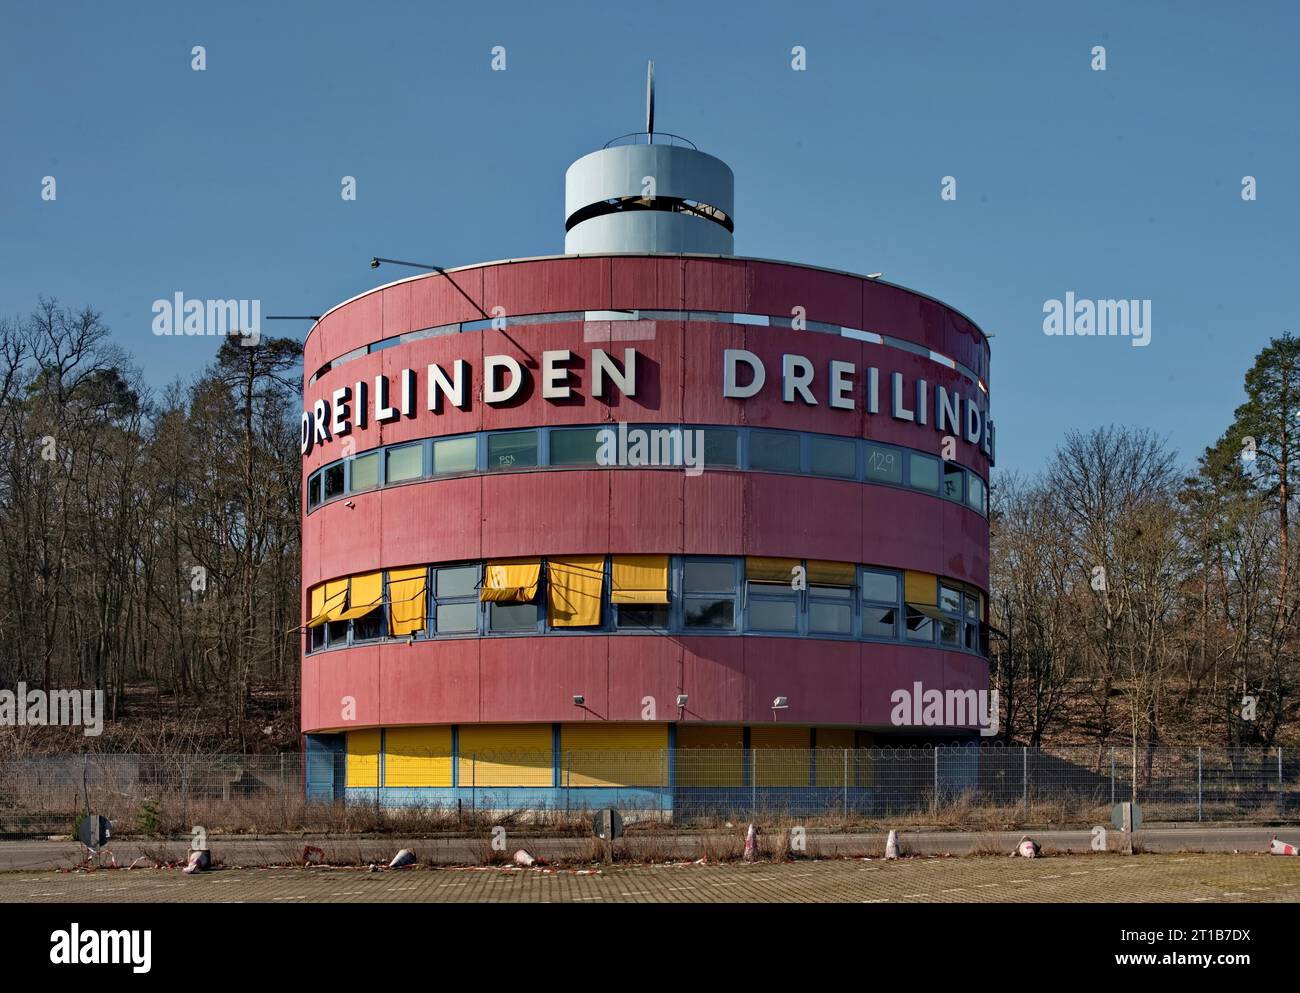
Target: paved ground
column 243, row 851
column 1099, row 878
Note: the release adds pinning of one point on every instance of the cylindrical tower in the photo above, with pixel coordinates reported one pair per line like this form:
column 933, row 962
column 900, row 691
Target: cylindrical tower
column 649, row 198
column 638, row 525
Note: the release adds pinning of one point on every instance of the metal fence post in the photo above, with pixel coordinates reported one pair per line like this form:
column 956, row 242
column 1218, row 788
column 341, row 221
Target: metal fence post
column 846, row 784
column 1024, row 776
column 935, row 803
column 753, row 781
column 1112, row 775
column 473, row 781
column 1279, row 779
column 1200, row 793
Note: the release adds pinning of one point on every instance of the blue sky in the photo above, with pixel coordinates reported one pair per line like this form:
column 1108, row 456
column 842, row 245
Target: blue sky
column 1122, row 183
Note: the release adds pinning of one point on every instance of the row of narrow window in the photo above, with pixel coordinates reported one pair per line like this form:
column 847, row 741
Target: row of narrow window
column 648, row 594
column 605, row 316
column 752, row 449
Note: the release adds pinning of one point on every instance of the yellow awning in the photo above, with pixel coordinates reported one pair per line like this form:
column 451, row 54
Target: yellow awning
column 934, row 613
column 920, row 587
column 639, row 579
column 328, row 601
column 765, row 570
column 822, row 573
column 573, row 591
column 408, row 600
column 511, row 580
column 367, row 593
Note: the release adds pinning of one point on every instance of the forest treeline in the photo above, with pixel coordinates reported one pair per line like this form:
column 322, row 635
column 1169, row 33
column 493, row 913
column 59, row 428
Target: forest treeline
column 149, row 547
column 148, row 541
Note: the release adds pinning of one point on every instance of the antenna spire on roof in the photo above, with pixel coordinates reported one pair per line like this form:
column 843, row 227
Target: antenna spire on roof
column 650, row 97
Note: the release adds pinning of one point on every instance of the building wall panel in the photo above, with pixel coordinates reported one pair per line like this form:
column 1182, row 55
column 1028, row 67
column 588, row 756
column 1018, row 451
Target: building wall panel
column 417, row 756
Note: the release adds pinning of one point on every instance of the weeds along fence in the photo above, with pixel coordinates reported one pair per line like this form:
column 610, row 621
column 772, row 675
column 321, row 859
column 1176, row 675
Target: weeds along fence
column 945, row 785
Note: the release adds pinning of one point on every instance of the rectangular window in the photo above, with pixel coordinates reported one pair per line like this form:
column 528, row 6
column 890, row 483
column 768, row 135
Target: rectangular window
column 365, row 472
column 949, row 600
column 456, row 618
column 879, row 622
column 709, row 594
column 952, row 482
column 511, row 450
column 457, row 580
column 833, row 457
column 721, row 448
column 508, row 617
column 950, row 603
column 334, row 480
column 404, row 463
column 879, row 604
column 879, row 587
column 883, row 465
column 370, row 626
column 923, row 472
column 772, row 607
column 633, row 616
column 920, row 627
column 318, row 637
column 975, row 494
column 827, row 613
column 337, row 633
column 456, row 599
column 575, row 446
column 774, row 450
column 706, row 576
column 709, row 612
column 948, row 630
column 455, row 455
column 313, row 491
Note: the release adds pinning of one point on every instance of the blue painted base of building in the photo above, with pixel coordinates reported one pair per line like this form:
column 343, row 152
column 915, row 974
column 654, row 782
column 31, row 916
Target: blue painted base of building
column 668, row 801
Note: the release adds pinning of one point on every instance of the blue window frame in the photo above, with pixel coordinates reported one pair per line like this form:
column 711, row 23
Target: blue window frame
column 454, row 607
column 880, row 603
column 830, row 610
column 709, row 593
column 334, row 478
column 773, row 608
column 747, row 449
column 952, row 482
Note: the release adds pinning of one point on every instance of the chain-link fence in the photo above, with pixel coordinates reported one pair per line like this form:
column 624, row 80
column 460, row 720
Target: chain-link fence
column 947, row 785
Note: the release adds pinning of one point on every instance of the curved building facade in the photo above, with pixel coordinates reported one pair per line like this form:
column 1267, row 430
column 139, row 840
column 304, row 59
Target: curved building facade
column 571, row 520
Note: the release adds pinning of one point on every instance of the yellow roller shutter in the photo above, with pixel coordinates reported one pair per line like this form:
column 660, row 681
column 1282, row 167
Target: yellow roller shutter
column 363, row 757
column 921, row 587
column 764, row 570
column 781, row 755
column 366, row 594
column 832, row 766
column 573, row 591
column 336, row 598
column 639, row 579
column 822, row 573
column 710, row 756
column 506, row 755
column 319, row 615
column 408, row 600
column 600, row 754
column 511, row 580
column 417, row 756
